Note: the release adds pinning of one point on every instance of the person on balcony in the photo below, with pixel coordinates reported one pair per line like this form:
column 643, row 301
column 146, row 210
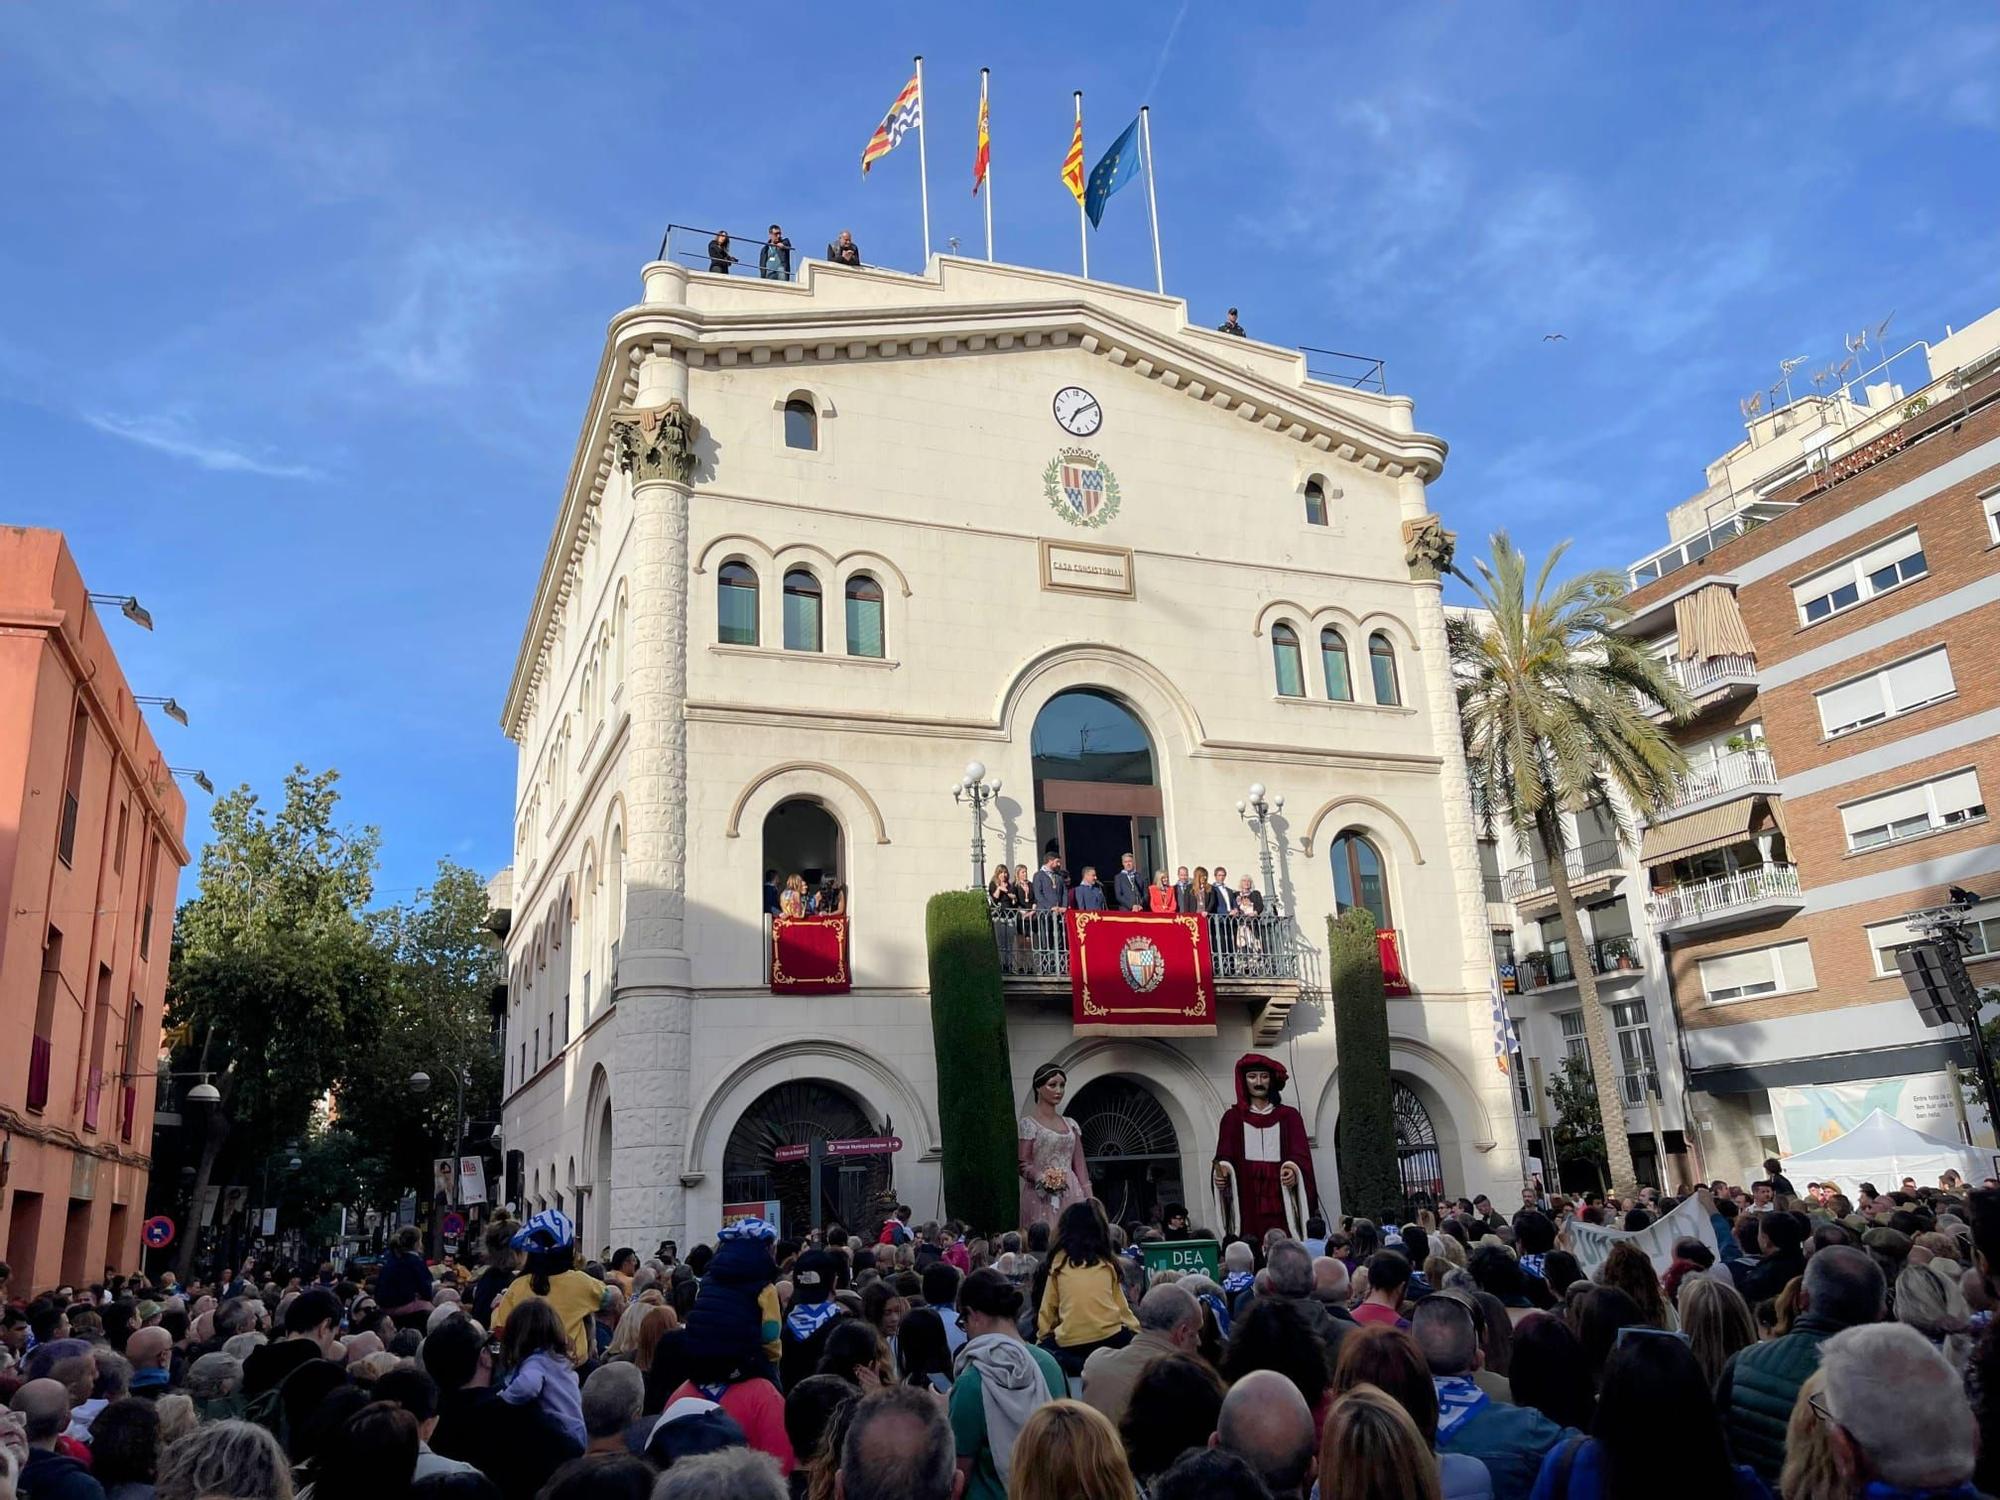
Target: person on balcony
column 1089, row 896
column 774, row 259
column 1001, row 893
column 830, row 900
column 1248, row 893
column 772, row 904
column 843, row 250
column 1221, row 899
column 1129, row 886
column 1184, row 890
column 719, row 258
column 793, row 900
column 1051, row 885
column 1162, row 897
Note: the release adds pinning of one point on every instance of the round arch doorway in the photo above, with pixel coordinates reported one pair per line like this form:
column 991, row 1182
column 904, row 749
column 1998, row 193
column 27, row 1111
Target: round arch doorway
column 802, row 838
column 1130, row 1147
column 1097, row 792
column 857, row 1192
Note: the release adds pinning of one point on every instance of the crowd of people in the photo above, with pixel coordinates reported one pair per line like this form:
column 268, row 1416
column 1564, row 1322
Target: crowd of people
column 795, row 896
column 1051, row 889
column 1814, row 1346
column 774, row 256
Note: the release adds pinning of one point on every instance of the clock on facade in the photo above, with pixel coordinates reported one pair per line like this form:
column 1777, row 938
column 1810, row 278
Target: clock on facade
column 1077, row 411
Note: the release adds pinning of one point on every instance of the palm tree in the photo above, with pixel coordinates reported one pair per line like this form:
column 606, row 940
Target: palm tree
column 1549, row 698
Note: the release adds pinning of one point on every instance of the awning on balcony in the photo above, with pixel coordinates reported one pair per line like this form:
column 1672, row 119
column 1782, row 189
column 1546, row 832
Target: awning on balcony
column 1711, row 828
column 1708, row 623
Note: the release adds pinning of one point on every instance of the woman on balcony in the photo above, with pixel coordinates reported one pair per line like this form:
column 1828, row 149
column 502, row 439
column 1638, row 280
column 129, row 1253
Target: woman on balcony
column 1160, row 895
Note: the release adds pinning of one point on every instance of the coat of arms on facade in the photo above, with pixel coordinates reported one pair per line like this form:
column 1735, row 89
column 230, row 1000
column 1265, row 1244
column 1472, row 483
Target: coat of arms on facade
column 1141, row 965
column 1080, row 487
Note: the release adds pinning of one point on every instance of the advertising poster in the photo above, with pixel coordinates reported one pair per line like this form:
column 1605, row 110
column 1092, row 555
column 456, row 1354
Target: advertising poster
column 1813, row 1114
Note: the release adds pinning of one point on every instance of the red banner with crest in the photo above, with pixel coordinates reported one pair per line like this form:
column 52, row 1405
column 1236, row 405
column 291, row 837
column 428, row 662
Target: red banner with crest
column 809, row 956
column 1140, row 974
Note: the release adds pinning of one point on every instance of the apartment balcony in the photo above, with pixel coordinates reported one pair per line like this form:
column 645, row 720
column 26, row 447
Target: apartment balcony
column 1555, row 970
column 1707, row 682
column 1728, row 900
column 1593, row 869
column 1740, row 773
column 1677, row 555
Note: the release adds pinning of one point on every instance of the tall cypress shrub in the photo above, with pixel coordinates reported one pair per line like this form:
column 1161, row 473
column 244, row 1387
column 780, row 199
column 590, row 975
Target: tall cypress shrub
column 1365, row 1138
column 975, row 1091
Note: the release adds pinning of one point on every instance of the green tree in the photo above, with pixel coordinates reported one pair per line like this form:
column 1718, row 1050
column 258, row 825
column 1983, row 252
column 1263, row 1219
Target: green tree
column 974, row 1072
column 275, row 978
column 1579, row 1124
column 1365, row 1137
column 1549, row 699
column 443, row 964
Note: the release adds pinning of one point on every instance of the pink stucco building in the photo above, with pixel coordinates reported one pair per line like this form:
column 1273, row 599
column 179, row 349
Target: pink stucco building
column 91, row 850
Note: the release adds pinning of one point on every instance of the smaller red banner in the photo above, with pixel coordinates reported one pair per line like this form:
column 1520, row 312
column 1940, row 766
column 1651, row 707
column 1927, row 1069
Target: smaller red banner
column 809, row 955
column 1134, row 974
column 1393, row 982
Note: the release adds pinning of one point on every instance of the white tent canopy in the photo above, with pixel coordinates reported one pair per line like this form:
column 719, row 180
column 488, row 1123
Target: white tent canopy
column 1883, row 1150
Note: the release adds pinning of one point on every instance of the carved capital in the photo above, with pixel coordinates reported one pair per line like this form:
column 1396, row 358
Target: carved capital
column 1428, row 548
column 655, row 442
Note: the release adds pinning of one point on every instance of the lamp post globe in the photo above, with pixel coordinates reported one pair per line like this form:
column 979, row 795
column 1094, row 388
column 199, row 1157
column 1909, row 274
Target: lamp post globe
column 420, row 1082
column 975, row 771
column 204, row 1093
column 1256, row 791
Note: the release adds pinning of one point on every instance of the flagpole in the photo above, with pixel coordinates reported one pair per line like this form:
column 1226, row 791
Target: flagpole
column 1082, row 221
column 1152, row 202
column 987, row 184
column 923, row 164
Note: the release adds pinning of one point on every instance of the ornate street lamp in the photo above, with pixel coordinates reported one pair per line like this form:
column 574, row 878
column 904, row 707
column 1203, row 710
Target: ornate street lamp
column 975, row 791
column 1256, row 811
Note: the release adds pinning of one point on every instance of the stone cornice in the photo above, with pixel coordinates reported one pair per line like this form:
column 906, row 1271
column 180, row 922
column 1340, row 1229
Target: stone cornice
column 788, row 328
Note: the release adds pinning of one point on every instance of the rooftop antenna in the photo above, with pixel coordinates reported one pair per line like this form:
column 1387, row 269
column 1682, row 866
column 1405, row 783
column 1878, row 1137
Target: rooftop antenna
column 1856, row 342
column 1882, row 329
column 1785, row 368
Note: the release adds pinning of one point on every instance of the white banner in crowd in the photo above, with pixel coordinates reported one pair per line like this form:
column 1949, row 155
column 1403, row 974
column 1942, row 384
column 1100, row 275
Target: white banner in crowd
column 1591, row 1244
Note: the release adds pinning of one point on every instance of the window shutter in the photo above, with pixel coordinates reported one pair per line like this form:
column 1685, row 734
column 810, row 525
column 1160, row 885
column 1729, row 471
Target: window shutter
column 1850, row 703
column 1920, row 679
column 1957, row 793
column 1877, row 812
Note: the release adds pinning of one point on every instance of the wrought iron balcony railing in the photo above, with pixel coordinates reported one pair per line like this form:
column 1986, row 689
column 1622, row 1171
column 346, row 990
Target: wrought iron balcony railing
column 1035, row 945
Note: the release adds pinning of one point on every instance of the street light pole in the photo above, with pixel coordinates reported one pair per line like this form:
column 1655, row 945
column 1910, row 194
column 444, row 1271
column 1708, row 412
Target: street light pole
column 976, row 791
column 1256, row 811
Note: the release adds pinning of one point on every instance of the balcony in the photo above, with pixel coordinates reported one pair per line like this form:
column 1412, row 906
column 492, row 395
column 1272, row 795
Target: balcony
column 1555, row 970
column 1706, row 682
column 1728, row 900
column 1677, row 555
column 1737, row 774
column 1591, row 866
column 1636, row 1086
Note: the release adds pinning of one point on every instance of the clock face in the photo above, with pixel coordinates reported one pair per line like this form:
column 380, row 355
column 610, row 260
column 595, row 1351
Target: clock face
column 1077, row 411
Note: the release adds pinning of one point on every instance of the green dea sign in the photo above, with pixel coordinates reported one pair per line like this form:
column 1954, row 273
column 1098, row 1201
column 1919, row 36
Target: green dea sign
column 1191, row 1257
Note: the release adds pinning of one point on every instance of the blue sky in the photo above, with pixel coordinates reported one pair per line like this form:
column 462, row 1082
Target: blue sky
column 299, row 305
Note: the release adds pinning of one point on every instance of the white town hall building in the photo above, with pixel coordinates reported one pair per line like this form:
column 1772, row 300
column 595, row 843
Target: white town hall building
column 984, row 514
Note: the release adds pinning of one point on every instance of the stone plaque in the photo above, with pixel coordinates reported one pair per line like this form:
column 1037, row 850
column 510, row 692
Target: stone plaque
column 1085, row 568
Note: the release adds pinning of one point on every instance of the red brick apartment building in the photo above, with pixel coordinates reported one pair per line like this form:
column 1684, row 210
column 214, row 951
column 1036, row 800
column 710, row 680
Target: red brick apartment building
column 1832, row 605
column 91, row 851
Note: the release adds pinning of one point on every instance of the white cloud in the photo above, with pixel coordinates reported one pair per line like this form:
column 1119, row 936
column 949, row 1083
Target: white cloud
column 171, row 434
column 445, row 303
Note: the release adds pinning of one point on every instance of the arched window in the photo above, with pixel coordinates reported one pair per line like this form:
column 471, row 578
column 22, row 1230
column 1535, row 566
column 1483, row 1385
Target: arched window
column 1315, row 503
column 801, row 424
column 736, row 604
column 864, row 616
column 1360, row 878
column 614, row 903
column 618, row 637
column 1382, row 663
column 1333, row 664
column 801, row 611
column 1291, row 669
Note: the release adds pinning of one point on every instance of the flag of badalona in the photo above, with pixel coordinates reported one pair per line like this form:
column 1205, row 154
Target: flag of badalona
column 1072, row 172
column 1114, row 169
column 1505, row 1042
column 985, row 153
column 908, row 110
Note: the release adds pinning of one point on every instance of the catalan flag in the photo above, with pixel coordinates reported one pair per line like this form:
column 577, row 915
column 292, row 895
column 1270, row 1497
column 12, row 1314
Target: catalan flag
column 908, row 110
column 1072, row 172
column 985, row 154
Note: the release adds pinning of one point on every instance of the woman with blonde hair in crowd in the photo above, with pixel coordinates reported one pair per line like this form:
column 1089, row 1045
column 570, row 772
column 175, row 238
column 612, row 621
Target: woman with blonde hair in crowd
column 225, row 1458
column 1630, row 1269
column 1717, row 1323
column 1069, row 1451
column 792, row 900
column 1371, row 1450
column 1929, row 1301
column 1785, row 1307
column 1810, row 1471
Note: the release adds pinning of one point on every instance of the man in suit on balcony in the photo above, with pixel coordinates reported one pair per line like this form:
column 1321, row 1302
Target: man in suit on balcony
column 1089, row 894
column 1050, row 887
column 1128, row 886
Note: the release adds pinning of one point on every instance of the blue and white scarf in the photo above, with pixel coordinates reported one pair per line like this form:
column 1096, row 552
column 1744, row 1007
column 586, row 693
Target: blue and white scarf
column 1238, row 1281
column 808, row 1318
column 1458, row 1398
column 1218, row 1305
column 749, row 1229
column 1532, row 1263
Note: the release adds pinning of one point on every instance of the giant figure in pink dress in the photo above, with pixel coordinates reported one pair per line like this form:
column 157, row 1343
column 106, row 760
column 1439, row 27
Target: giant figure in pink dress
column 1263, row 1165
column 1053, row 1174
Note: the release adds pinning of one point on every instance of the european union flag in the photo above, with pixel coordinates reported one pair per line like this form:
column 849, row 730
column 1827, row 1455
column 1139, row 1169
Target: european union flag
column 1114, row 169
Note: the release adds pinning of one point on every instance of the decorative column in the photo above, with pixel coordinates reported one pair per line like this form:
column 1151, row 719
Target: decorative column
column 653, row 444
column 1428, row 550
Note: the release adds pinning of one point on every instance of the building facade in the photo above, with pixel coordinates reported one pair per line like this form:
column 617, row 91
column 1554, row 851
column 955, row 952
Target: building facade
column 985, row 514
column 1829, row 603
column 91, row 851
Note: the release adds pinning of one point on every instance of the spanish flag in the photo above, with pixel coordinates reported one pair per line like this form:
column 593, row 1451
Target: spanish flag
column 985, row 153
column 1072, row 172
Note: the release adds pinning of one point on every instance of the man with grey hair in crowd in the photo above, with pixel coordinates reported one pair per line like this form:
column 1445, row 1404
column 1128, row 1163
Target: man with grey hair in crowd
column 732, row 1474
column 898, row 1447
column 1842, row 1288
column 1896, row 1413
column 1266, row 1423
column 612, row 1397
column 1169, row 1323
column 1293, row 1280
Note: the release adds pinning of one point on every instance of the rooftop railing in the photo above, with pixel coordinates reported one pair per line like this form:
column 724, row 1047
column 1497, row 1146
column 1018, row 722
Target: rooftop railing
column 1359, row 372
column 1677, row 555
